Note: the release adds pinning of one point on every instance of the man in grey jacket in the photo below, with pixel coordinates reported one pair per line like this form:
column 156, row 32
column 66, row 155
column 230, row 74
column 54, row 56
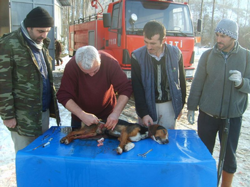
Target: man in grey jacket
column 220, row 88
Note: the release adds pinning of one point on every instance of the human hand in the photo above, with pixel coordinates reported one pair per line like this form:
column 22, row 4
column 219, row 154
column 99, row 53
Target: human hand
column 147, row 120
column 190, row 116
column 112, row 120
column 89, row 119
column 235, row 77
column 11, row 123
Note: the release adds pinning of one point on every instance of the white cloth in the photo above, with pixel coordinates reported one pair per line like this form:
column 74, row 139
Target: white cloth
column 166, row 111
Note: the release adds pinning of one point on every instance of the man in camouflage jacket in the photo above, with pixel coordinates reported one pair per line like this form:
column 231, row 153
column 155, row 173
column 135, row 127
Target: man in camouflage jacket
column 27, row 94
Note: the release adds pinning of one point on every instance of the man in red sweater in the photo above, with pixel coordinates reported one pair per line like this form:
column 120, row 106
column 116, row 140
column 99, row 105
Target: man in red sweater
column 88, row 88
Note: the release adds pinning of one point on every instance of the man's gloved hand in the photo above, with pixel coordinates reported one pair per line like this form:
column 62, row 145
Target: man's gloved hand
column 235, row 77
column 190, row 116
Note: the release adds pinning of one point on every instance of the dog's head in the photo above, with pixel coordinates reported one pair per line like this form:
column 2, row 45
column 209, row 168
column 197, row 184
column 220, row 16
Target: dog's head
column 158, row 133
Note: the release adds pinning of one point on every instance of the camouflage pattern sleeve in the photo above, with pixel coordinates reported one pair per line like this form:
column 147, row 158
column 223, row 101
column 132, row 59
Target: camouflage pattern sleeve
column 6, row 66
column 21, row 85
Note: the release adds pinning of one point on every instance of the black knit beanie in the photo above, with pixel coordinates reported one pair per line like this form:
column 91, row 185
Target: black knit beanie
column 38, row 17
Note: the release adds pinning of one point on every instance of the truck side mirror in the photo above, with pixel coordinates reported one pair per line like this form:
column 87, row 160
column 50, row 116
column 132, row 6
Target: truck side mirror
column 199, row 25
column 106, row 20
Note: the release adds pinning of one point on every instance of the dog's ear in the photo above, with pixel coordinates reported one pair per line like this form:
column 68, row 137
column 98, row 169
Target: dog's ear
column 152, row 130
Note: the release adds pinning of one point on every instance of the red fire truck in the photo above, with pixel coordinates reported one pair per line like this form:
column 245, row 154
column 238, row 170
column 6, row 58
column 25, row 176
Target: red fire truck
column 119, row 30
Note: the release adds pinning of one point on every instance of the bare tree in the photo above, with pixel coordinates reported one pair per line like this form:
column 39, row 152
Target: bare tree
column 200, row 17
column 246, row 16
column 87, row 2
column 77, row 8
column 209, row 11
column 201, row 10
column 72, row 11
column 238, row 10
column 212, row 25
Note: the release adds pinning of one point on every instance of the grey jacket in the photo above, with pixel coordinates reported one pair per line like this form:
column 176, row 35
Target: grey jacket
column 211, row 89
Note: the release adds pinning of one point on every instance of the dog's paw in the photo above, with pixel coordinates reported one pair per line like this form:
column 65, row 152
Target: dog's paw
column 66, row 141
column 129, row 146
column 119, row 150
column 62, row 140
column 144, row 136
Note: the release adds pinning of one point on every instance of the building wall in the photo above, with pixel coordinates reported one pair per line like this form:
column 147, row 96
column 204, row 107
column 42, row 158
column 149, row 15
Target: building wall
column 13, row 12
column 58, row 20
column 4, row 17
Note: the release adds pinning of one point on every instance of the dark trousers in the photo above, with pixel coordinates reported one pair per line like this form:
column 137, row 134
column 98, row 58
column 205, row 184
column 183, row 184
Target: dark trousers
column 207, row 130
column 58, row 59
column 75, row 124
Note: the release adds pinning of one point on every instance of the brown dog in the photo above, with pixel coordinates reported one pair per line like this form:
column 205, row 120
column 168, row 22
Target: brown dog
column 126, row 134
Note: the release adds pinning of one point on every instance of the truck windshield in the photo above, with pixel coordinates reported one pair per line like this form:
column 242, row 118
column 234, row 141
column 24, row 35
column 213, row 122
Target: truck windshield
column 175, row 17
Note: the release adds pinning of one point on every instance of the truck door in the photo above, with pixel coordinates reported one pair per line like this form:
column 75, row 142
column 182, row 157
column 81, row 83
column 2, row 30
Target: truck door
column 114, row 39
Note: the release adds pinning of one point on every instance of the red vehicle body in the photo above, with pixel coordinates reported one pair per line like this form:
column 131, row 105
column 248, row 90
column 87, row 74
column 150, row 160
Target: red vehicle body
column 119, row 31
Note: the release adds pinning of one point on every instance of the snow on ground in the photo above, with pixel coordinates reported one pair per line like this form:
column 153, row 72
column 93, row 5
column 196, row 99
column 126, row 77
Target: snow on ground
column 242, row 176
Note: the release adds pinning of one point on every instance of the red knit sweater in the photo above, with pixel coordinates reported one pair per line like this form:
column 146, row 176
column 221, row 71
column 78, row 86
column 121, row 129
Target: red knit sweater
column 95, row 94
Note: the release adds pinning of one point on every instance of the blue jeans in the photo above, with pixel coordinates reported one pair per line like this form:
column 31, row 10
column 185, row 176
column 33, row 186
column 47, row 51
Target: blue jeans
column 207, row 130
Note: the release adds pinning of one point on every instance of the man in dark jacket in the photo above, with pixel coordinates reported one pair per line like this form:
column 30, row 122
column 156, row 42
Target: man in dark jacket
column 158, row 79
column 220, row 88
column 27, row 94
